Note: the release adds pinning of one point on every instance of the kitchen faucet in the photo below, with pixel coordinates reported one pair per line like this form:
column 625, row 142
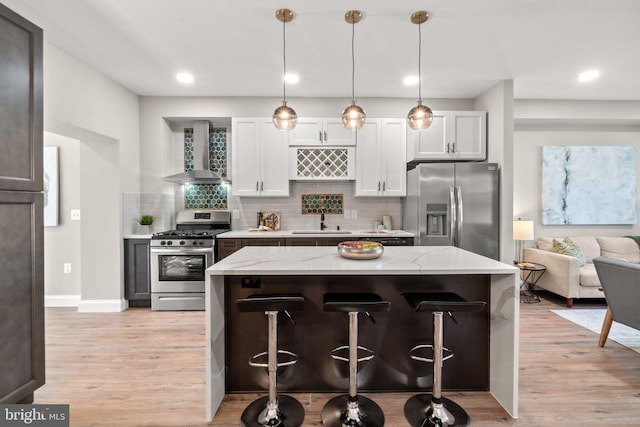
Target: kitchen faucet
column 323, row 226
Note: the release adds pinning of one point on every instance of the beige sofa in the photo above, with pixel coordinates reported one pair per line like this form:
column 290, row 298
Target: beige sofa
column 564, row 275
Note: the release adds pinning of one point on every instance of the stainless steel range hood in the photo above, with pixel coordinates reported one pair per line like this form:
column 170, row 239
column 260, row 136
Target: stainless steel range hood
column 201, row 174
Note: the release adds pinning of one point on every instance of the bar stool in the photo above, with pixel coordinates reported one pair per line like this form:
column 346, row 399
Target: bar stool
column 352, row 409
column 272, row 410
column 433, row 409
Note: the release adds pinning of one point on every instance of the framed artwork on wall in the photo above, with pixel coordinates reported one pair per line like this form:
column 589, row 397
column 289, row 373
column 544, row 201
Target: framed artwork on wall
column 51, row 187
column 589, row 185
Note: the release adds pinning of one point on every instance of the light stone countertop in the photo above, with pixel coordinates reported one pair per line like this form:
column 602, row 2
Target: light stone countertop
column 397, row 260
column 245, row 234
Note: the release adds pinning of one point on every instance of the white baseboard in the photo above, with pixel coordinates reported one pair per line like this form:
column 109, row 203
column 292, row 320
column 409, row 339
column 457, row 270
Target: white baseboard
column 102, row 306
column 61, row 300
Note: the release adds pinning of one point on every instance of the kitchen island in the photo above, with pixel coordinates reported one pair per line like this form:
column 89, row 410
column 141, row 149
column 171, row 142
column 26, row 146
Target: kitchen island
column 486, row 343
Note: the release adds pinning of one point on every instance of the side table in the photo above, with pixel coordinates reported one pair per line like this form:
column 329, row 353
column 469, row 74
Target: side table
column 530, row 274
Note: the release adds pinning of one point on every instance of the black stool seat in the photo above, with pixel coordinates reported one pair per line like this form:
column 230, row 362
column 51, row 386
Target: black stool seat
column 442, row 301
column 270, row 302
column 357, row 302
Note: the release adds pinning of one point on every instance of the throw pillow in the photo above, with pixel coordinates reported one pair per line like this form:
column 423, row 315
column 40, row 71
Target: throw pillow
column 568, row 247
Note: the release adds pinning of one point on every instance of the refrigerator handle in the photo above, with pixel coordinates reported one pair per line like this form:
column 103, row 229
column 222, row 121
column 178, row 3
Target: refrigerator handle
column 460, row 214
column 453, row 221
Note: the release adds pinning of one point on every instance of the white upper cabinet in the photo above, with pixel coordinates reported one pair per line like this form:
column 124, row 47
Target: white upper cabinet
column 453, row 135
column 381, row 169
column 260, row 166
column 314, row 132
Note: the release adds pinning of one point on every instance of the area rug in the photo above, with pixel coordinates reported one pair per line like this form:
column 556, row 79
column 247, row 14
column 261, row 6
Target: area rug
column 592, row 319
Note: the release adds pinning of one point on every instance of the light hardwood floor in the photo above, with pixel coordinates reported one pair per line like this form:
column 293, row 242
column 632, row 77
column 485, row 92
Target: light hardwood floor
column 141, row 367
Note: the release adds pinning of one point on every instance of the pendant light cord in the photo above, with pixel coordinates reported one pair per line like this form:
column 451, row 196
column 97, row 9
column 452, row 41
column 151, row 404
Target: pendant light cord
column 353, row 62
column 284, row 62
column 419, row 63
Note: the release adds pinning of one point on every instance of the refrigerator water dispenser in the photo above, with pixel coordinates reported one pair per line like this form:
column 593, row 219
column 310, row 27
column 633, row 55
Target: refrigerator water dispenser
column 436, row 219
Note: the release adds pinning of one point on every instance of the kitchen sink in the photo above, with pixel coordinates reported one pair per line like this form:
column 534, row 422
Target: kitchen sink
column 321, row 232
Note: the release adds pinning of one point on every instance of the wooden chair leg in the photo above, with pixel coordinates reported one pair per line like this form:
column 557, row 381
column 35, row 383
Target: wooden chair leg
column 606, row 326
column 569, row 302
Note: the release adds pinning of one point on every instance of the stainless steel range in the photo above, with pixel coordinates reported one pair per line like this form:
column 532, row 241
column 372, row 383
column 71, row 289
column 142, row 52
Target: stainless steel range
column 180, row 257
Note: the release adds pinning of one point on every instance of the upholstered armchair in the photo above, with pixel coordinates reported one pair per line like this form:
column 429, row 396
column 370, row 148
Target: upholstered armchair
column 621, row 285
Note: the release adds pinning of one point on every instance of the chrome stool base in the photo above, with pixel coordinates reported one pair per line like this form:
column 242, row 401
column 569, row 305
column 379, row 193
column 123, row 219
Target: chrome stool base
column 287, row 413
column 340, row 412
column 420, row 411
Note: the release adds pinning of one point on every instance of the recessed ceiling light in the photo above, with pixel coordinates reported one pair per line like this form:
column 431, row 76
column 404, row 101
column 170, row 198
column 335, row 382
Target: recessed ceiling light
column 291, row 78
column 185, row 78
column 589, row 75
column 411, row 80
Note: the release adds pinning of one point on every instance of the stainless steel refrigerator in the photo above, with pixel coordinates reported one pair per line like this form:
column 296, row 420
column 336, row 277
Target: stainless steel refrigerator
column 454, row 204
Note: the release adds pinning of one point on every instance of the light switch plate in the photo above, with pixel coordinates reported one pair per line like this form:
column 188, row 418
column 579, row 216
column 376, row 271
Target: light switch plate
column 75, row 214
column 354, row 214
column 347, row 214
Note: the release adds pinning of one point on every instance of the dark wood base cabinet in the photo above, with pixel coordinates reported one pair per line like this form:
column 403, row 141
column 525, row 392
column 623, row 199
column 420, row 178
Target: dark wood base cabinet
column 137, row 272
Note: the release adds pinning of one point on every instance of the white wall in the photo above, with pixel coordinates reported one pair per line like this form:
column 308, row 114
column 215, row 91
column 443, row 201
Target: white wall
column 498, row 102
column 542, row 123
column 64, row 289
column 82, row 104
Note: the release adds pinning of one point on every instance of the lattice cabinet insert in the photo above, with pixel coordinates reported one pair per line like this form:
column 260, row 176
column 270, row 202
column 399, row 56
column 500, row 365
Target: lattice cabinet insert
column 323, row 163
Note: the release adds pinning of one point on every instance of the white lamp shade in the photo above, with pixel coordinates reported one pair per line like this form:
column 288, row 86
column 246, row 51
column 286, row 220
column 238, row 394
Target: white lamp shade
column 522, row 230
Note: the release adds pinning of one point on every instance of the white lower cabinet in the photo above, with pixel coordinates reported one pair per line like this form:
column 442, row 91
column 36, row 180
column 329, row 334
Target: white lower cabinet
column 260, row 166
column 453, row 135
column 381, row 169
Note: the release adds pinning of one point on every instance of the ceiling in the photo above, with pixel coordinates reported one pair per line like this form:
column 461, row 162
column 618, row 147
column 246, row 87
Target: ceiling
column 234, row 47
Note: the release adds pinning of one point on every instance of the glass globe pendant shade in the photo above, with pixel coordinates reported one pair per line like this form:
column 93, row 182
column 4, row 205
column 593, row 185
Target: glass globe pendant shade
column 420, row 117
column 353, row 117
column 284, row 117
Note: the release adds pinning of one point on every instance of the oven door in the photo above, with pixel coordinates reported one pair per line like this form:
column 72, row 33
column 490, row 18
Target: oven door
column 179, row 269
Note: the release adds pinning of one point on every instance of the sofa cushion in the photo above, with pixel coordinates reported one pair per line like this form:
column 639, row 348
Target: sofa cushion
column 622, row 248
column 589, row 276
column 545, row 243
column 568, row 247
column 589, row 246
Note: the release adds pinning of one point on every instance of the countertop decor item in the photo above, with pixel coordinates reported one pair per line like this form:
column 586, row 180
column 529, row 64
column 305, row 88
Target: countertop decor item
column 355, row 249
column 144, row 222
column 270, row 220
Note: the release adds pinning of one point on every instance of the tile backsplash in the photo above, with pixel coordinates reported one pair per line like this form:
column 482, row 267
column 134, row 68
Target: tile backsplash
column 206, row 196
column 361, row 211
column 330, row 204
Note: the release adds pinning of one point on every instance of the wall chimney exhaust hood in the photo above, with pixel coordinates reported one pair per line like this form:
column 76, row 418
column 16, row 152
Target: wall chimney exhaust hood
column 201, row 174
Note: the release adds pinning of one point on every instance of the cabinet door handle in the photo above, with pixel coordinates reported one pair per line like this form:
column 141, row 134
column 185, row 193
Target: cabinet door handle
column 261, row 185
column 384, row 185
column 320, row 136
column 325, row 136
column 447, row 148
column 453, row 150
column 378, row 185
column 257, row 186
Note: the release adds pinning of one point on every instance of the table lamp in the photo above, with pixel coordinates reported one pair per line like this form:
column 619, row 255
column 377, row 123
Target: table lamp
column 522, row 231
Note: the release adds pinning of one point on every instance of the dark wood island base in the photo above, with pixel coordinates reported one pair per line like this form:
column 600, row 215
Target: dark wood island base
column 316, row 332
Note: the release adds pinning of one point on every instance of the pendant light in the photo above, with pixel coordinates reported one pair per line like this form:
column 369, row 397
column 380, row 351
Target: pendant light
column 284, row 117
column 353, row 116
column 420, row 116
